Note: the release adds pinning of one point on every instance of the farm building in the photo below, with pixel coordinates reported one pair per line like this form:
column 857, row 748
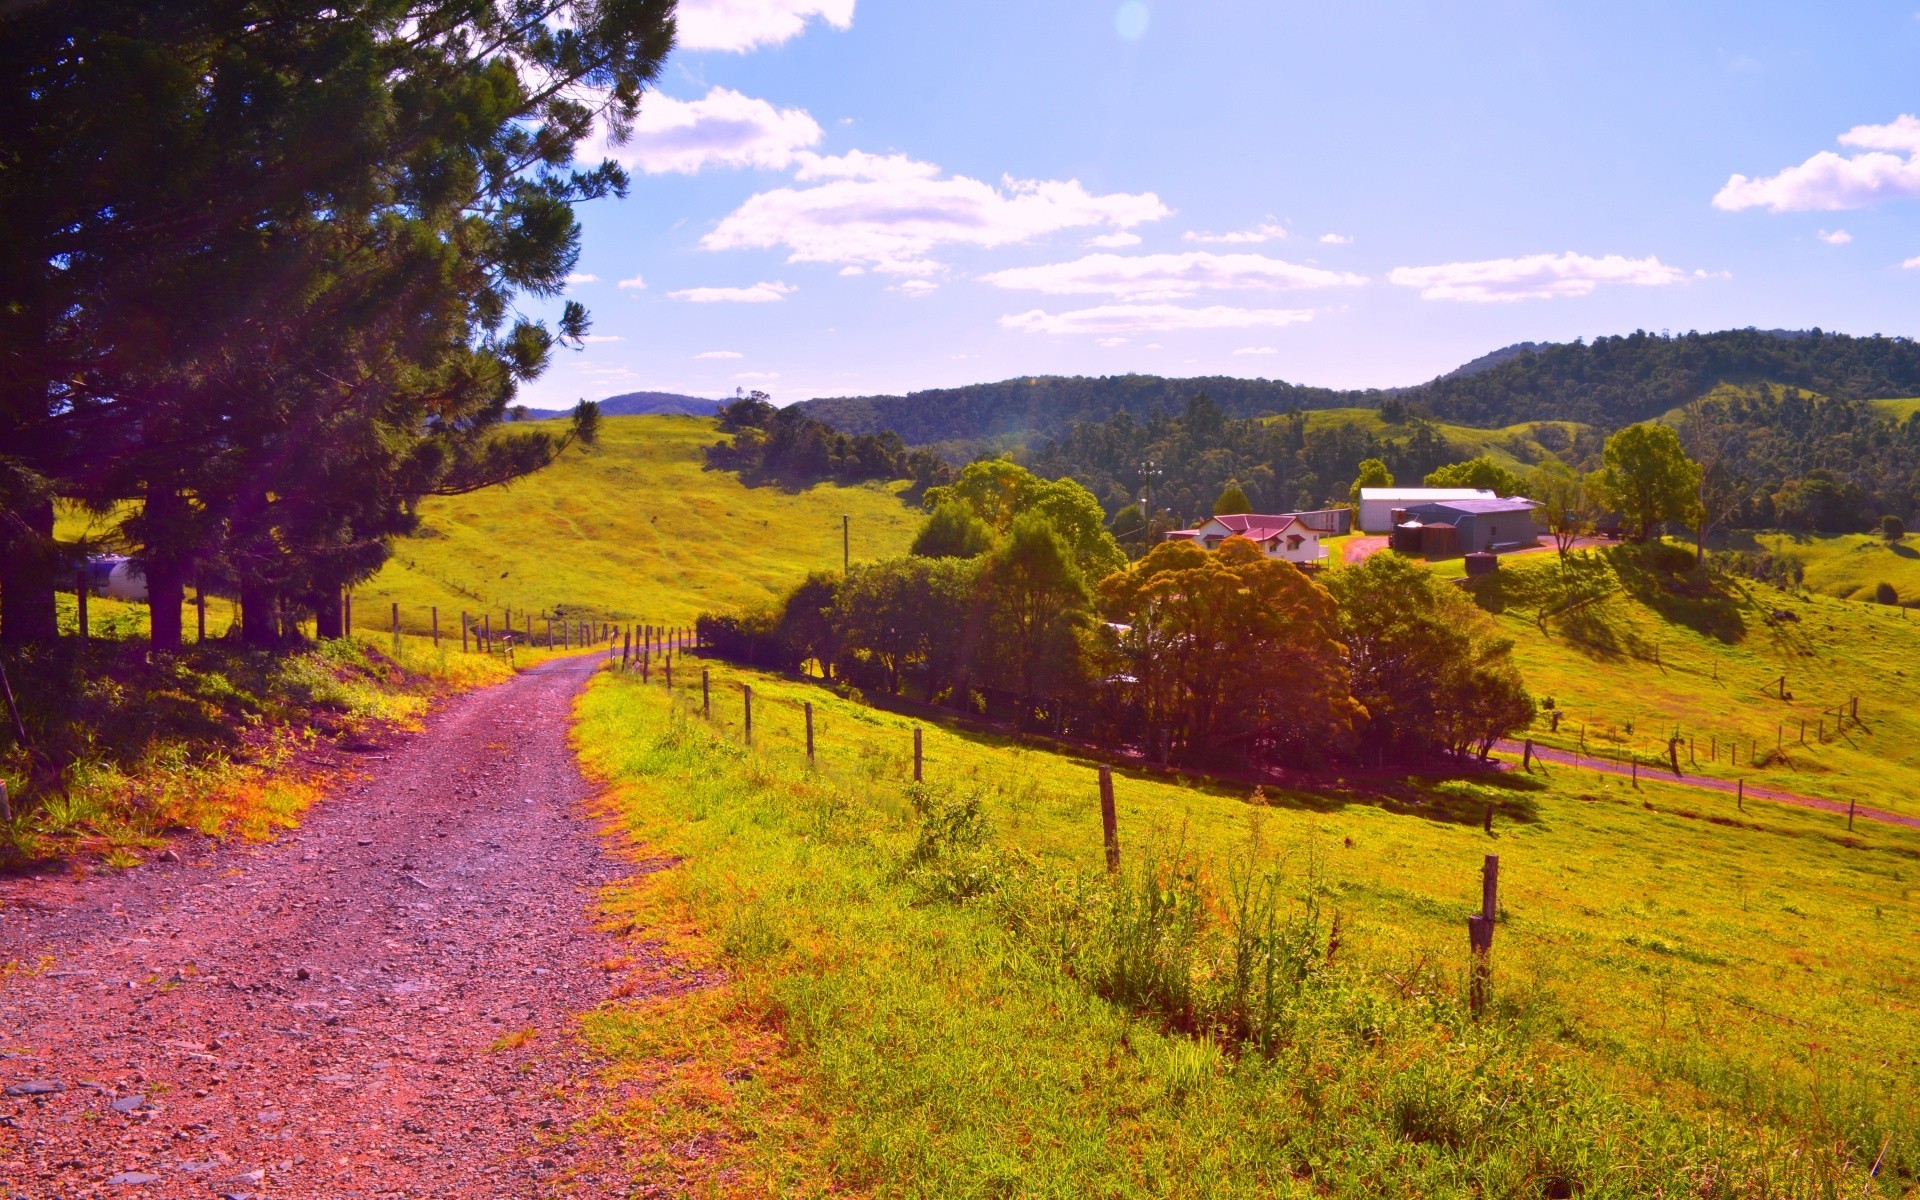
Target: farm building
column 1377, row 505
column 1280, row 535
column 1490, row 524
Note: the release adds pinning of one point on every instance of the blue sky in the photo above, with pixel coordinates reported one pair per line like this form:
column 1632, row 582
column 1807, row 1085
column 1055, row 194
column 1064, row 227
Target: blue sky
column 852, row 196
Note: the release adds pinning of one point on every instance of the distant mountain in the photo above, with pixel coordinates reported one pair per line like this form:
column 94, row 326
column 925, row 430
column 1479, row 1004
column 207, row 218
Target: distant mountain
column 1609, row 382
column 642, row 404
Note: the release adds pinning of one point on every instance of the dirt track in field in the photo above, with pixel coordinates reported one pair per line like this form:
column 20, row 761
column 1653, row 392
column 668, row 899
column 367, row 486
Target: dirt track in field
column 340, row 1013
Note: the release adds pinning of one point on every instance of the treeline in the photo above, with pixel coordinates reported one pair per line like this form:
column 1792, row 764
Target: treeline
column 262, row 264
column 1607, row 383
column 1015, row 602
column 786, row 445
column 1783, row 458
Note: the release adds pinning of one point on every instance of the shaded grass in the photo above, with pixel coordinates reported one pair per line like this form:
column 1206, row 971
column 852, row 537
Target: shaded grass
column 1683, row 1007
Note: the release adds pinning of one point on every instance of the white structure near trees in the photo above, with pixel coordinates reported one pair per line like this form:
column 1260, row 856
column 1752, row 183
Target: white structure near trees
column 1378, row 504
column 1279, row 535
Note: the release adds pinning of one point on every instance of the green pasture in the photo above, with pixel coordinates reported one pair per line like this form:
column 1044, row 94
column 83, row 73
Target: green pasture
column 1900, row 409
column 1516, row 447
column 1688, row 999
column 1848, row 565
column 634, row 530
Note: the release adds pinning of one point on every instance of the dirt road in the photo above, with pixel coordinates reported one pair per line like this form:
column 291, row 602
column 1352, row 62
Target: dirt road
column 376, row 1005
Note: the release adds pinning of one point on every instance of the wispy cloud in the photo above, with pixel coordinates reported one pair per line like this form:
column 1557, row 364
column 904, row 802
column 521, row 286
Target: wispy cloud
column 1336, row 239
column 578, row 277
column 890, row 213
column 1831, row 182
column 596, row 339
column 1838, row 237
column 1266, row 231
column 740, row 25
column 1256, row 350
column 636, row 284
column 1114, row 241
column 915, row 287
column 1167, row 276
column 759, row 293
column 719, row 354
column 1142, row 318
column 1534, row 277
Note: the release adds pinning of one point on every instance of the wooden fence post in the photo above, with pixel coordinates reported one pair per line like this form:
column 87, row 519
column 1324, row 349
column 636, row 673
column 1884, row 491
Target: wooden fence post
column 549, row 621
column 486, row 633
column 1109, row 820
column 666, row 664
column 646, row 673
column 436, row 627
column 1526, row 757
column 747, row 689
column 81, row 623
column 1486, row 825
column 809, row 708
column 200, row 611
column 396, row 629
column 916, row 754
column 346, row 615
column 1480, row 933
column 1635, row 760
column 463, row 631
column 706, row 695
column 1740, row 794
column 1850, row 804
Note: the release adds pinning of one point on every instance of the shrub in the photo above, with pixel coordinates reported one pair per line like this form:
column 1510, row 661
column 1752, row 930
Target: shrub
column 1892, row 528
column 1886, row 594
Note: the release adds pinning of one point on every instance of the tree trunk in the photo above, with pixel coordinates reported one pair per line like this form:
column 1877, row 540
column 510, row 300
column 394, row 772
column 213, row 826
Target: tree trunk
column 328, row 618
column 259, row 615
column 28, row 575
column 166, row 592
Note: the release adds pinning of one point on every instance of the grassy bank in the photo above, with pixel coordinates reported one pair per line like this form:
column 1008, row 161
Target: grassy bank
column 124, row 751
column 637, row 529
column 938, row 992
column 1849, row 566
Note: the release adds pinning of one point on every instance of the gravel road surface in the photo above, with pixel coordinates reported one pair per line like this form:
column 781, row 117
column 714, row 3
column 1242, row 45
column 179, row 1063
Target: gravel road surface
column 375, row 1005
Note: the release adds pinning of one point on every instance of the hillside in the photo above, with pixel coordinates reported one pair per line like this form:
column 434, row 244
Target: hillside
column 1515, row 447
column 1609, row 382
column 637, row 529
column 642, row 404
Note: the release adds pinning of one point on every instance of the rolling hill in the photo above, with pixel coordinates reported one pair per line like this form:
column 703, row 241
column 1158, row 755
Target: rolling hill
column 1609, row 382
column 642, row 404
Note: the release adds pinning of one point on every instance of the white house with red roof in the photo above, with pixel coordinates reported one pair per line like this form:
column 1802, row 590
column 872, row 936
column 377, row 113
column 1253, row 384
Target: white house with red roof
column 1279, row 535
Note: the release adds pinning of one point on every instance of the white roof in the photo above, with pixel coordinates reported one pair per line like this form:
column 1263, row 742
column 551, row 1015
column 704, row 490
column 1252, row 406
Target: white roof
column 1400, row 493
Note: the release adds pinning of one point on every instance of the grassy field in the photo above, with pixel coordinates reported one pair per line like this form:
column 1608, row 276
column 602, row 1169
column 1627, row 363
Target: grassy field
column 1900, row 409
column 636, row 530
column 938, row 992
column 1516, row 447
column 1652, row 656
column 1847, row 565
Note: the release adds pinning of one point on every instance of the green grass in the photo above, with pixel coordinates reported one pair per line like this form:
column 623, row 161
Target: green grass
column 1651, row 655
column 1900, row 409
column 1847, row 565
column 1688, row 1001
column 636, row 530
column 1516, row 447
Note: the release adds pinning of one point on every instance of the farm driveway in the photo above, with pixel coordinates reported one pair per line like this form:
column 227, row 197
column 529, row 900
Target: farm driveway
column 375, row 1005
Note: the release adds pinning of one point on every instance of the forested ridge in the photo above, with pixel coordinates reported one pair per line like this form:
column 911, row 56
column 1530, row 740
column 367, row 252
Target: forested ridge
column 1608, row 382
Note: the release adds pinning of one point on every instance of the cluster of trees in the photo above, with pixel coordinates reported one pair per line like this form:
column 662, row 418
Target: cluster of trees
column 786, row 445
column 262, row 261
column 1013, row 593
column 1184, row 461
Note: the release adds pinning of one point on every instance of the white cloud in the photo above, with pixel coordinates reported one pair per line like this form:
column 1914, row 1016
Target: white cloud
column 1912, row 264
column 577, row 277
column 1256, row 350
column 759, row 293
column 853, row 270
column 740, row 25
column 1266, row 231
column 636, row 284
column 722, row 129
column 1828, row 182
column 893, row 212
column 915, row 287
column 1167, row 276
column 1114, row 241
column 595, row 339
column 1534, row 277
column 1838, row 237
column 1336, row 239
column 1138, row 318
column 719, row 354
column 858, row 164
column 1112, row 341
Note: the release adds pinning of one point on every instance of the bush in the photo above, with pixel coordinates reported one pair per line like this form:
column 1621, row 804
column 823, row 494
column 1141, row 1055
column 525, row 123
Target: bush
column 1886, row 594
column 752, row 638
column 1892, row 528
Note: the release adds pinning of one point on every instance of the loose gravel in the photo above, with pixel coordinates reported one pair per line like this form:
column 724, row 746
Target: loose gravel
column 378, row 1004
